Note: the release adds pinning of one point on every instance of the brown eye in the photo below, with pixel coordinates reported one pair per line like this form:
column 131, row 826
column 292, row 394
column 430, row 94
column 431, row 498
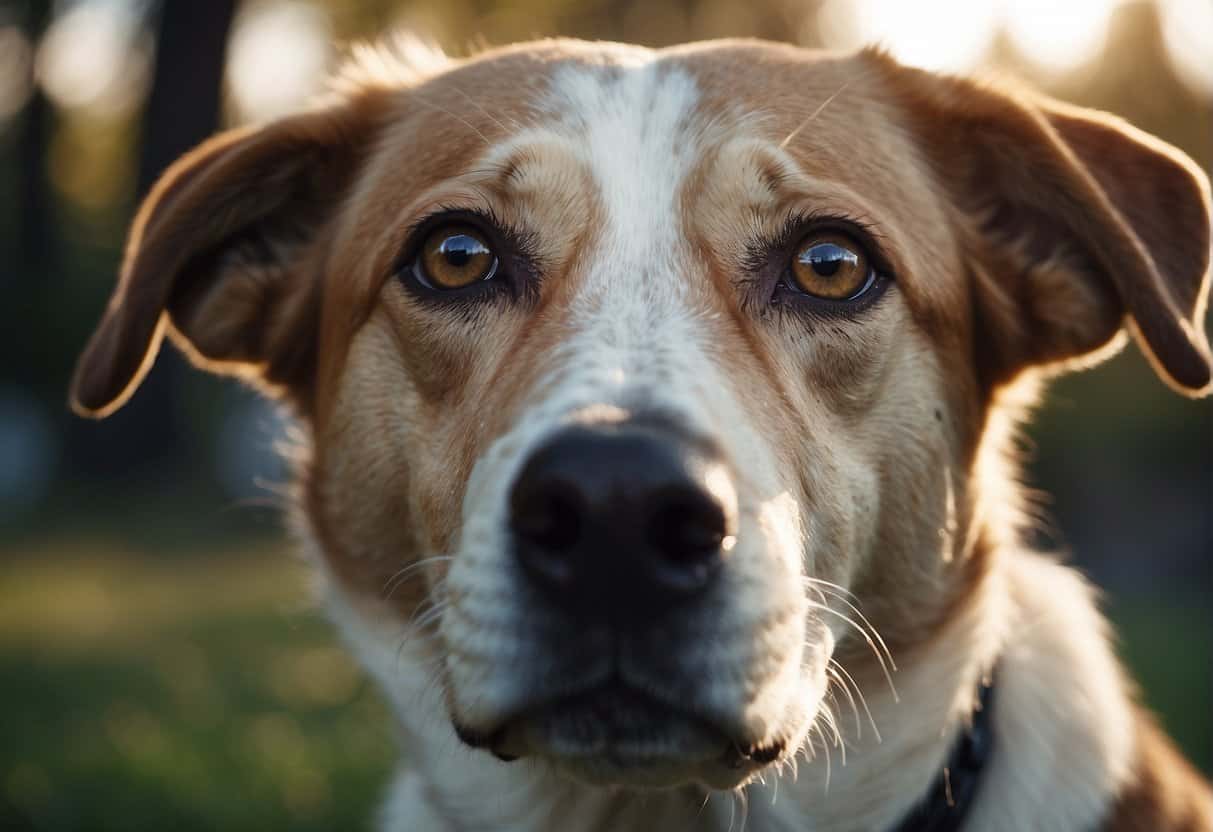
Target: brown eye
column 455, row 257
column 831, row 265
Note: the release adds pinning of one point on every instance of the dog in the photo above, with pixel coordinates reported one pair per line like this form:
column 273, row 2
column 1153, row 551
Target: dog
column 660, row 411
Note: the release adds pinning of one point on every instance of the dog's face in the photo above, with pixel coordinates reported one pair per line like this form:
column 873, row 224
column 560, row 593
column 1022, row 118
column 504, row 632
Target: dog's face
column 634, row 380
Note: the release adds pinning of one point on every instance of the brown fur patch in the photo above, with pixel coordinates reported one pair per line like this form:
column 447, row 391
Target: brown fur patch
column 1165, row 792
column 1018, row 235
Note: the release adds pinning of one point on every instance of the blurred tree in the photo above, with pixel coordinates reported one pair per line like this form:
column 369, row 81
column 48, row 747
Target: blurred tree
column 191, row 49
column 192, row 45
column 35, row 232
column 32, row 247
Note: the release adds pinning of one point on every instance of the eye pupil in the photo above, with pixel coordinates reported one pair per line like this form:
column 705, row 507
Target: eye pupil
column 832, row 266
column 459, row 249
column 827, row 258
column 454, row 256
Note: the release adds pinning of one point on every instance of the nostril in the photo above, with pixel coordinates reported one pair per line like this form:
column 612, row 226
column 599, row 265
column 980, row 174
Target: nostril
column 688, row 528
column 547, row 523
column 621, row 521
column 548, row 517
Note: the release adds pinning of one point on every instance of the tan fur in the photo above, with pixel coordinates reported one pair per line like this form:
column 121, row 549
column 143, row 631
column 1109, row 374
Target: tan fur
column 1166, row 792
column 1022, row 235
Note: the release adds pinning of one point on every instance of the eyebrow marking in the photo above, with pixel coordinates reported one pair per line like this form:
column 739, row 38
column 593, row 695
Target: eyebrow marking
column 509, row 170
column 526, row 167
column 772, row 174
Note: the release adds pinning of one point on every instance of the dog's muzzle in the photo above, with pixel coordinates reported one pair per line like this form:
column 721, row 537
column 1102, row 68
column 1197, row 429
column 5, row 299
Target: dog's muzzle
column 616, row 524
column 633, row 661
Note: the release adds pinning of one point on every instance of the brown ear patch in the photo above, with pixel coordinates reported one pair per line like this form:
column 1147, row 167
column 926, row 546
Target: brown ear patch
column 1161, row 193
column 252, row 308
column 116, row 358
column 124, row 345
column 1073, row 223
column 224, row 255
column 1164, row 198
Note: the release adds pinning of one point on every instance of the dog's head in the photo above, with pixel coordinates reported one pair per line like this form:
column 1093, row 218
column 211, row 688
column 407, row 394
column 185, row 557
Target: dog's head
column 635, row 379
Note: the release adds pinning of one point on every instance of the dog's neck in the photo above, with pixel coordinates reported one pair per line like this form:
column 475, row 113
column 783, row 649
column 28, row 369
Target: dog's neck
column 1062, row 714
column 1061, row 700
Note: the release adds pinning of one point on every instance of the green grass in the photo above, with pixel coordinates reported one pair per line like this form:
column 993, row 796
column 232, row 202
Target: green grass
column 204, row 693
column 185, row 695
column 1167, row 643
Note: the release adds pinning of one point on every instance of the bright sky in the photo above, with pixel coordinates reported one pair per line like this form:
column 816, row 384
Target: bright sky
column 953, row 35
column 277, row 58
column 94, row 56
column 1056, row 35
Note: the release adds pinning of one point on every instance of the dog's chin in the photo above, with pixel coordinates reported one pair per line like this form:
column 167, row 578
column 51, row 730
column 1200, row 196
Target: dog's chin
column 617, row 737
column 639, row 774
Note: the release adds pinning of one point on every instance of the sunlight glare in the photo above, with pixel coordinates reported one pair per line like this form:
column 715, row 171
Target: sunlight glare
column 278, row 58
column 948, row 35
column 95, row 57
column 1187, row 27
column 955, row 35
column 1058, row 36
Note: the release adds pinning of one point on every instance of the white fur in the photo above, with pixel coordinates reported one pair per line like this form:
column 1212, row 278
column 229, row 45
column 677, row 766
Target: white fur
column 638, row 344
column 1061, row 715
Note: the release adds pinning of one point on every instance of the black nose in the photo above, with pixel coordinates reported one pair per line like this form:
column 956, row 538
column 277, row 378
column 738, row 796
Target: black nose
column 622, row 521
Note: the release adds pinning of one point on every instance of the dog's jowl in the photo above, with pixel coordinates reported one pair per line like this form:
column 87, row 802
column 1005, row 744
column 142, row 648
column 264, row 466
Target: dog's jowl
column 659, row 407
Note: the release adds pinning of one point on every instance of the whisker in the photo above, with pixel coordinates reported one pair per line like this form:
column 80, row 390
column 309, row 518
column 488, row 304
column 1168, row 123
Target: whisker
column 514, row 122
column 814, row 114
column 839, row 742
column 835, row 591
column 416, row 96
column 825, row 746
column 872, row 644
column 863, row 700
column 431, row 616
column 435, row 662
column 428, row 613
column 832, row 711
column 846, row 689
column 398, row 577
column 831, row 585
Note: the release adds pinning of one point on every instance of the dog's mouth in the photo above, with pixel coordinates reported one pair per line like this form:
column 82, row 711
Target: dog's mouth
column 616, row 734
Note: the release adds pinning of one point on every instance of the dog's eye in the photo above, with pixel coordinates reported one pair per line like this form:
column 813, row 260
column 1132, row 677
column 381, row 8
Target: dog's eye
column 455, row 256
column 830, row 265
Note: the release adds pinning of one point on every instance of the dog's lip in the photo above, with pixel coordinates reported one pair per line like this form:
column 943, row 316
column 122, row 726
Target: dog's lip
column 615, row 725
column 619, row 726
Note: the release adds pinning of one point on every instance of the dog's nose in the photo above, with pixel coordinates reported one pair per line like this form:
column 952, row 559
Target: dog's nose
column 622, row 521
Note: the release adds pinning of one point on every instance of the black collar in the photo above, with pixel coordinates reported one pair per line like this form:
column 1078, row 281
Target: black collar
column 946, row 804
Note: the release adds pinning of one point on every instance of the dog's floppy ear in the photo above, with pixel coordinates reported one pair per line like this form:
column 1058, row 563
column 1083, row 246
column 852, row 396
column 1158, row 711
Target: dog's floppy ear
column 1075, row 223
column 224, row 254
